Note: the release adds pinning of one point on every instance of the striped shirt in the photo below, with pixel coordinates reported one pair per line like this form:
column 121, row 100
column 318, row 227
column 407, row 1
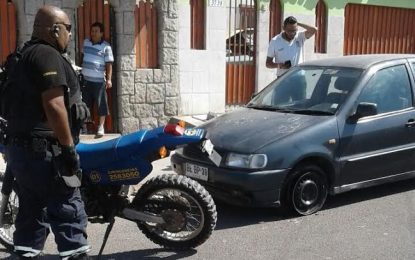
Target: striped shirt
column 95, row 57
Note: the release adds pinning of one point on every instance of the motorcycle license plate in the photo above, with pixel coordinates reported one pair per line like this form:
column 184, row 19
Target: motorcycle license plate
column 196, row 171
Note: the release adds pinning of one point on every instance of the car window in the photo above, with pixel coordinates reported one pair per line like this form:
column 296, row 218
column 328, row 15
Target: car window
column 319, row 89
column 389, row 89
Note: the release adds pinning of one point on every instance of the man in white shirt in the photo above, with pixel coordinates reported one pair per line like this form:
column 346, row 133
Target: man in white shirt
column 287, row 48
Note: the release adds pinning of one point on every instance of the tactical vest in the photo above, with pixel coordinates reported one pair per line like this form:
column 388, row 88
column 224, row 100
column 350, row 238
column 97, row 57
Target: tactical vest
column 27, row 117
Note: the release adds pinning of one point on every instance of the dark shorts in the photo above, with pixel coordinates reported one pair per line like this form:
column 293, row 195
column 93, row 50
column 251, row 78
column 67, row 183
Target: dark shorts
column 44, row 203
column 95, row 92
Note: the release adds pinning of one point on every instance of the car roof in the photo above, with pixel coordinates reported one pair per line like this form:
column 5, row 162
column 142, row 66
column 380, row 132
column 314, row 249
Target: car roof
column 356, row 61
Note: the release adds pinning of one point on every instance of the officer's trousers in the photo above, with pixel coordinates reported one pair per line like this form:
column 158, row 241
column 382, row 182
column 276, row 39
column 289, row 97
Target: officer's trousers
column 45, row 204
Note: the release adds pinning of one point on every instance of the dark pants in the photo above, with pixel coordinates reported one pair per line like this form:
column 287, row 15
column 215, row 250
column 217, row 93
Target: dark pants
column 45, row 202
column 95, row 92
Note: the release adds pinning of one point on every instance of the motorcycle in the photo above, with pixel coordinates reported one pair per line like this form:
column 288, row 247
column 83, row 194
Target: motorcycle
column 173, row 211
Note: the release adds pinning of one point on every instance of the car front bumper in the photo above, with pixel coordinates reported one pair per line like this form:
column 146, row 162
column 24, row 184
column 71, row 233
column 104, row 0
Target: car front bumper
column 238, row 186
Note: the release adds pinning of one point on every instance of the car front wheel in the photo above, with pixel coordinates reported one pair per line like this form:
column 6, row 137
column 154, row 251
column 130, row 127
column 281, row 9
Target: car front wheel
column 308, row 190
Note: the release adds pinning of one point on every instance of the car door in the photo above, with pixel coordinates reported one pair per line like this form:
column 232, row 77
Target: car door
column 411, row 160
column 381, row 145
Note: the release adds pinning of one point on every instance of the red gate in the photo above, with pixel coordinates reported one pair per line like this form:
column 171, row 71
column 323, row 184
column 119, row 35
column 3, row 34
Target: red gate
column 89, row 12
column 240, row 52
column 378, row 29
column 7, row 29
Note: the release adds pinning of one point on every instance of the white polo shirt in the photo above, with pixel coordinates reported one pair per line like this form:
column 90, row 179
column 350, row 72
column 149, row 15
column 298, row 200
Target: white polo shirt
column 282, row 50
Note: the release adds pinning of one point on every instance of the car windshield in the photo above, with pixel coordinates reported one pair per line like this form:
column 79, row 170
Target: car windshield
column 308, row 90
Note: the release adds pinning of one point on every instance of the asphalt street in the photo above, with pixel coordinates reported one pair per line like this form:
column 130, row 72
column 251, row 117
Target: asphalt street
column 374, row 223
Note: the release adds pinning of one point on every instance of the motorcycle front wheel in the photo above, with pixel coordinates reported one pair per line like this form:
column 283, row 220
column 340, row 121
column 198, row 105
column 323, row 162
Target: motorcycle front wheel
column 9, row 206
column 187, row 209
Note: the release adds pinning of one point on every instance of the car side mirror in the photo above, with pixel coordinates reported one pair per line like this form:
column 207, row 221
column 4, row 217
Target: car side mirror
column 365, row 109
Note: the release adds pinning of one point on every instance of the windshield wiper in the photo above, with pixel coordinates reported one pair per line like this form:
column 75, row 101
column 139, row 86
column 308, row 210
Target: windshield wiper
column 269, row 108
column 312, row 112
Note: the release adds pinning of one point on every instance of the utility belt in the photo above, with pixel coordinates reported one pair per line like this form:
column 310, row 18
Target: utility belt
column 40, row 147
column 48, row 149
column 35, row 143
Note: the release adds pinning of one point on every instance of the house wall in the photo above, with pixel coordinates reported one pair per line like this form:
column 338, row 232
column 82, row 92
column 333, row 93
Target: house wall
column 187, row 82
column 145, row 98
column 26, row 11
column 202, row 72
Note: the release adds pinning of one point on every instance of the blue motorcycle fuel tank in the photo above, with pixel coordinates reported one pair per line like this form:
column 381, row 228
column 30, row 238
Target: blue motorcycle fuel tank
column 124, row 160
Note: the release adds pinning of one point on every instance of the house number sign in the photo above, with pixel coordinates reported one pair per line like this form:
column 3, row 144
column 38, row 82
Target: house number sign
column 216, row 3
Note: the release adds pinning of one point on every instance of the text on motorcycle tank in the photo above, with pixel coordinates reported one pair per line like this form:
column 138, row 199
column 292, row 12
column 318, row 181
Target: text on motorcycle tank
column 124, row 174
column 193, row 132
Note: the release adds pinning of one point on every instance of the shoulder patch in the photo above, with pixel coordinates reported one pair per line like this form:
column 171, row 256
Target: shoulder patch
column 49, row 73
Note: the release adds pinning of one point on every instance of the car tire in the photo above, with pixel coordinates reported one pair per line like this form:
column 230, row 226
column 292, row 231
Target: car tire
column 307, row 190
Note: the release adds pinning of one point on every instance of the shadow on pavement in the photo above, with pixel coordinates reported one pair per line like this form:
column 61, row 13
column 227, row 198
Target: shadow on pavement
column 230, row 216
column 156, row 253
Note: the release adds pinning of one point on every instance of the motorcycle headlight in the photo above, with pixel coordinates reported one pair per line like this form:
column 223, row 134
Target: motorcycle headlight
column 251, row 161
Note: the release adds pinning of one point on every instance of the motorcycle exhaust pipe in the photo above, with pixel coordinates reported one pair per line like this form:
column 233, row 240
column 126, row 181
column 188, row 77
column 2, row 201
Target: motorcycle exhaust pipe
column 132, row 214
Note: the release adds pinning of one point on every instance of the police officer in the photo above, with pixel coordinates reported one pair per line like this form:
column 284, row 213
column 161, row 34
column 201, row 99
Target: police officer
column 43, row 128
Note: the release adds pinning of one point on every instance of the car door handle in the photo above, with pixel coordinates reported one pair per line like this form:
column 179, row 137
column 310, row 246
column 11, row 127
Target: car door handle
column 410, row 123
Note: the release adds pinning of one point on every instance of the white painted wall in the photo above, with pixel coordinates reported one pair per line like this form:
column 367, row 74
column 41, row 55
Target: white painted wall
column 202, row 72
column 263, row 75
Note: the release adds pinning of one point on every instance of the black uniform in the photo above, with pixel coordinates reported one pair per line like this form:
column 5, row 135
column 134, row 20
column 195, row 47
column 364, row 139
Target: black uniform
column 43, row 201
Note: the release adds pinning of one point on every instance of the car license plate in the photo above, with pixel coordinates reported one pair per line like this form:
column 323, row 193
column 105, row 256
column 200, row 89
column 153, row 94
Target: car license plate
column 196, row 171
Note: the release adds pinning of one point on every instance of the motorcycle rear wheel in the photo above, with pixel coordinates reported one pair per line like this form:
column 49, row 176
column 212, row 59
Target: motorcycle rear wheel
column 8, row 227
column 187, row 208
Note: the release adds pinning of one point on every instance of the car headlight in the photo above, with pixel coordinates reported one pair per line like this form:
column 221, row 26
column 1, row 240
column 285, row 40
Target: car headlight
column 251, row 161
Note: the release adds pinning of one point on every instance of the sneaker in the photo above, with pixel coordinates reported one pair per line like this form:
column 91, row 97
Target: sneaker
column 100, row 131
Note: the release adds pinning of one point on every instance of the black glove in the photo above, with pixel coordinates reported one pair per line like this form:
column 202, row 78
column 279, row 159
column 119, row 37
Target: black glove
column 81, row 111
column 70, row 170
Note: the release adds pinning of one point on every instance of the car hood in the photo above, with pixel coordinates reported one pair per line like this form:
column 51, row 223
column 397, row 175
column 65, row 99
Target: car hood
column 247, row 130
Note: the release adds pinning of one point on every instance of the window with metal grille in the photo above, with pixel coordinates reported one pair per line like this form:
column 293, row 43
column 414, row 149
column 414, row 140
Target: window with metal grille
column 146, row 34
column 197, row 24
column 7, row 29
column 320, row 45
column 247, row 16
column 275, row 18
